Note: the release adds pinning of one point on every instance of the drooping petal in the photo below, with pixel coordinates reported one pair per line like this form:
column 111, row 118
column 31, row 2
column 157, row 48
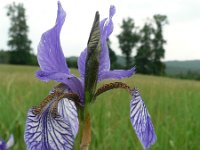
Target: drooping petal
column 67, row 109
column 106, row 28
column 74, row 83
column 47, row 132
column 10, row 142
column 141, row 121
column 117, row 74
column 50, row 55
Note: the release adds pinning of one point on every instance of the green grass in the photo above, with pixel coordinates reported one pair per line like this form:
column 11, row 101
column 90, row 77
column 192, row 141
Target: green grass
column 174, row 106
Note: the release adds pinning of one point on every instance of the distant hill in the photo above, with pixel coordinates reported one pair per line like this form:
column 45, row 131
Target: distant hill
column 177, row 67
column 172, row 67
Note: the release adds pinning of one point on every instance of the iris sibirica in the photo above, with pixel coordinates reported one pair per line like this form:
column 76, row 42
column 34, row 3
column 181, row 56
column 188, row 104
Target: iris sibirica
column 64, row 115
column 6, row 146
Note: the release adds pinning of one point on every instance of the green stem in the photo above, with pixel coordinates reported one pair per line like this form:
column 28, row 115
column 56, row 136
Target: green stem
column 83, row 137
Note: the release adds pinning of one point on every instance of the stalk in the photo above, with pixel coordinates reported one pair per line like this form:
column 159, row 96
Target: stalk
column 83, row 137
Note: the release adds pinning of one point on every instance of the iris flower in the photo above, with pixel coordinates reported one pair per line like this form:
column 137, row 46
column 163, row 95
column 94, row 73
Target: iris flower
column 4, row 145
column 53, row 125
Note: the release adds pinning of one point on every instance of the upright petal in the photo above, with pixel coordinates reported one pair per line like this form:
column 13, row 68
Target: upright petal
column 106, row 28
column 141, row 121
column 116, row 74
column 81, row 63
column 47, row 132
column 50, row 55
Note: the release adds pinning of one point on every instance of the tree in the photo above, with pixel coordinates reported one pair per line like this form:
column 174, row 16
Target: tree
column 128, row 39
column 151, row 49
column 113, row 56
column 158, row 44
column 19, row 43
column 143, row 58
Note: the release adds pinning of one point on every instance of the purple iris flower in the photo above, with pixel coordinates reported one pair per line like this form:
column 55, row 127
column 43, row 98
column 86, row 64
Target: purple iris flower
column 53, row 125
column 6, row 146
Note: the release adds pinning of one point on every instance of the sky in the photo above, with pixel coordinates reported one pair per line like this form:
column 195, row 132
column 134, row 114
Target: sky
column 182, row 32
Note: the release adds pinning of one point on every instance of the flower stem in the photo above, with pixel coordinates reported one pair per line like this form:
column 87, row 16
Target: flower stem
column 83, row 137
column 86, row 134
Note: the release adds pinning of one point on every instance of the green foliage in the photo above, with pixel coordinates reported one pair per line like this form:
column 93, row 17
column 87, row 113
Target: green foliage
column 151, row 48
column 158, row 44
column 143, row 58
column 72, row 62
column 4, row 57
column 19, row 43
column 128, row 39
column 173, row 105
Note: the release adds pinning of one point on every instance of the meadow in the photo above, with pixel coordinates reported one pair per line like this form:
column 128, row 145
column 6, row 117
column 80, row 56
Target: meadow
column 174, row 106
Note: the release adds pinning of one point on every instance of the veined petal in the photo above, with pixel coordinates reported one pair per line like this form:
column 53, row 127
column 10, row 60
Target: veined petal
column 67, row 109
column 50, row 55
column 141, row 121
column 47, row 132
column 117, row 74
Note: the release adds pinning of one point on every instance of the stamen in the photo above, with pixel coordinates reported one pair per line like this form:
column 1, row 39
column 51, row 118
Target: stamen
column 38, row 109
column 56, row 95
column 71, row 96
column 113, row 85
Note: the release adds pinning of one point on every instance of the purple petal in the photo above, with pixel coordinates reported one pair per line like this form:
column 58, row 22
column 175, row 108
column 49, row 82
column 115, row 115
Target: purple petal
column 141, row 121
column 2, row 145
column 47, row 132
column 50, row 55
column 117, row 74
column 106, row 28
column 74, row 83
column 67, row 109
column 81, row 63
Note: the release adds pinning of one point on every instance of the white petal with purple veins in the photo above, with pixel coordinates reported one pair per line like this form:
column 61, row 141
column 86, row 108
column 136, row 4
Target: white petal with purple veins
column 45, row 132
column 141, row 121
column 67, row 109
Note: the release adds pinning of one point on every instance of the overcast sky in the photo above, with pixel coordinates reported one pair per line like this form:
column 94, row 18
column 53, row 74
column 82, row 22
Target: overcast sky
column 182, row 33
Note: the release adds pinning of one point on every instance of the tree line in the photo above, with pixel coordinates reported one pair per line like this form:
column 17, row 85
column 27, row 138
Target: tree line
column 148, row 42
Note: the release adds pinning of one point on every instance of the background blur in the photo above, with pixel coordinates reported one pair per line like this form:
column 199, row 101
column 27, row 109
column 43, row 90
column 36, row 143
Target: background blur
column 159, row 37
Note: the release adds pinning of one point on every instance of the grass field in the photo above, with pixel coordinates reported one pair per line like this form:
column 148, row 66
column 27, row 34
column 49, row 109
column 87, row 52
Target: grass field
column 174, row 106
